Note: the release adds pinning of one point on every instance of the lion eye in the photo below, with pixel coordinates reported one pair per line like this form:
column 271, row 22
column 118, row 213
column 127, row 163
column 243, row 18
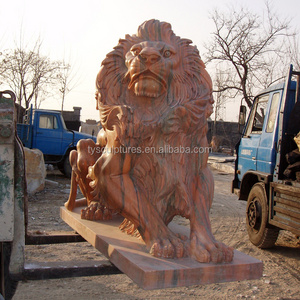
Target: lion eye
column 167, row 53
column 135, row 51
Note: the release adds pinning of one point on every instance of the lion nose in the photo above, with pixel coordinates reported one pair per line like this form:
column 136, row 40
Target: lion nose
column 149, row 56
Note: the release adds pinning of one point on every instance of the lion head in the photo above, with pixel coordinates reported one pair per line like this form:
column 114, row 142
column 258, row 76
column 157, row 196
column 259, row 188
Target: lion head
column 150, row 65
column 153, row 68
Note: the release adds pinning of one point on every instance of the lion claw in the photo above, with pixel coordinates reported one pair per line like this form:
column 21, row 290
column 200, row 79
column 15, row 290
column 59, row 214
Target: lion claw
column 168, row 249
column 96, row 211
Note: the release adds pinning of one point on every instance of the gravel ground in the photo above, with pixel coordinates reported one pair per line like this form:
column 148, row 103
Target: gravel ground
column 281, row 275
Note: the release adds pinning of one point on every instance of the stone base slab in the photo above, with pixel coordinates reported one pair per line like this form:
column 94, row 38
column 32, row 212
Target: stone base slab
column 130, row 255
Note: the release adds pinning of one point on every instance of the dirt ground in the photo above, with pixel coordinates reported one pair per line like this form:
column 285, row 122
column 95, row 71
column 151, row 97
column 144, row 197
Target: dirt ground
column 280, row 280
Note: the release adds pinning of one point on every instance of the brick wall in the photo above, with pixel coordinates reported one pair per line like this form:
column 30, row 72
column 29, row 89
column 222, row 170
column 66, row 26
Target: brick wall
column 227, row 133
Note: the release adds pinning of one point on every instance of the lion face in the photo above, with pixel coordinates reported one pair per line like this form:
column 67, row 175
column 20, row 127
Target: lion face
column 150, row 65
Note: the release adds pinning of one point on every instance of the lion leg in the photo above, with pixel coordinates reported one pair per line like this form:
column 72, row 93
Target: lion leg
column 70, row 204
column 111, row 178
column 159, row 239
column 203, row 245
column 86, row 155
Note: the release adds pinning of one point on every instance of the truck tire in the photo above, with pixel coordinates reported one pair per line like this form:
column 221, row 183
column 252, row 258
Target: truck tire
column 257, row 218
column 8, row 285
column 67, row 167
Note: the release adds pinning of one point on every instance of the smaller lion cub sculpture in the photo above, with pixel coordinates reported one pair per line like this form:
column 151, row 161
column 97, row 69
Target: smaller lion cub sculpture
column 154, row 97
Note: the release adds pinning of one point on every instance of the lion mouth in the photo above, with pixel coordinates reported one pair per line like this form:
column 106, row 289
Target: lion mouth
column 145, row 76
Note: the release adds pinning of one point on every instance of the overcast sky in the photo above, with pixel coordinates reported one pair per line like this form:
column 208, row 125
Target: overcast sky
column 83, row 32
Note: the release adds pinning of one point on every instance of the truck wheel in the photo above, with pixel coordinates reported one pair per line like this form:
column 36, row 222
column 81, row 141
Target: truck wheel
column 67, row 167
column 257, row 218
column 8, row 285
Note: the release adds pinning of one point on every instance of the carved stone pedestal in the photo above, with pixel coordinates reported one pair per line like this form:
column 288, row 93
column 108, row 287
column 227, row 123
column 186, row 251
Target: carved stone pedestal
column 130, row 255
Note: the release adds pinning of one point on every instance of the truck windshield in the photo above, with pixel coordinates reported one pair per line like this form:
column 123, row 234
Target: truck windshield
column 272, row 113
column 63, row 123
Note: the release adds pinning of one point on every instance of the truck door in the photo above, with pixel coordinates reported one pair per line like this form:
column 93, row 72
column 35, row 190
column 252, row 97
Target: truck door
column 252, row 135
column 266, row 153
column 48, row 134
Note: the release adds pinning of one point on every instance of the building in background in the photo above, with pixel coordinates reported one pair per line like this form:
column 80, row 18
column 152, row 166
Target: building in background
column 91, row 127
column 72, row 118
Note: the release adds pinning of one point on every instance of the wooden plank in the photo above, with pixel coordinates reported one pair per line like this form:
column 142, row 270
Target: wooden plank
column 289, row 214
column 130, row 255
column 283, row 223
column 65, row 269
column 286, row 189
column 284, row 199
column 52, row 237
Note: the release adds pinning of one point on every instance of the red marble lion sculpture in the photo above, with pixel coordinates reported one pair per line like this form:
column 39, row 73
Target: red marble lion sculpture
column 154, row 97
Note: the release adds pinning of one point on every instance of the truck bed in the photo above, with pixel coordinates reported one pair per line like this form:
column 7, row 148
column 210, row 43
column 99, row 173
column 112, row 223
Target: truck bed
column 286, row 207
column 23, row 131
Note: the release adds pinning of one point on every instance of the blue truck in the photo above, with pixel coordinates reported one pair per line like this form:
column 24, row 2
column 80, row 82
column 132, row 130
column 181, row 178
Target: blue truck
column 46, row 130
column 268, row 162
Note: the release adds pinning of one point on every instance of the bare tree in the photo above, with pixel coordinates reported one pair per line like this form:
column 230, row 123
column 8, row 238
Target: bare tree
column 293, row 52
column 27, row 72
column 220, row 100
column 66, row 81
column 247, row 48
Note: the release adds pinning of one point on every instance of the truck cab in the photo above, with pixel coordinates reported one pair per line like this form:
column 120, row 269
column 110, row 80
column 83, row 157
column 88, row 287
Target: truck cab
column 46, row 130
column 260, row 166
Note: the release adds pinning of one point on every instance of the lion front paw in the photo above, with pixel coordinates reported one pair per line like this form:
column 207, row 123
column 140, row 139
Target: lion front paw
column 206, row 251
column 227, row 251
column 169, row 248
column 96, row 211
